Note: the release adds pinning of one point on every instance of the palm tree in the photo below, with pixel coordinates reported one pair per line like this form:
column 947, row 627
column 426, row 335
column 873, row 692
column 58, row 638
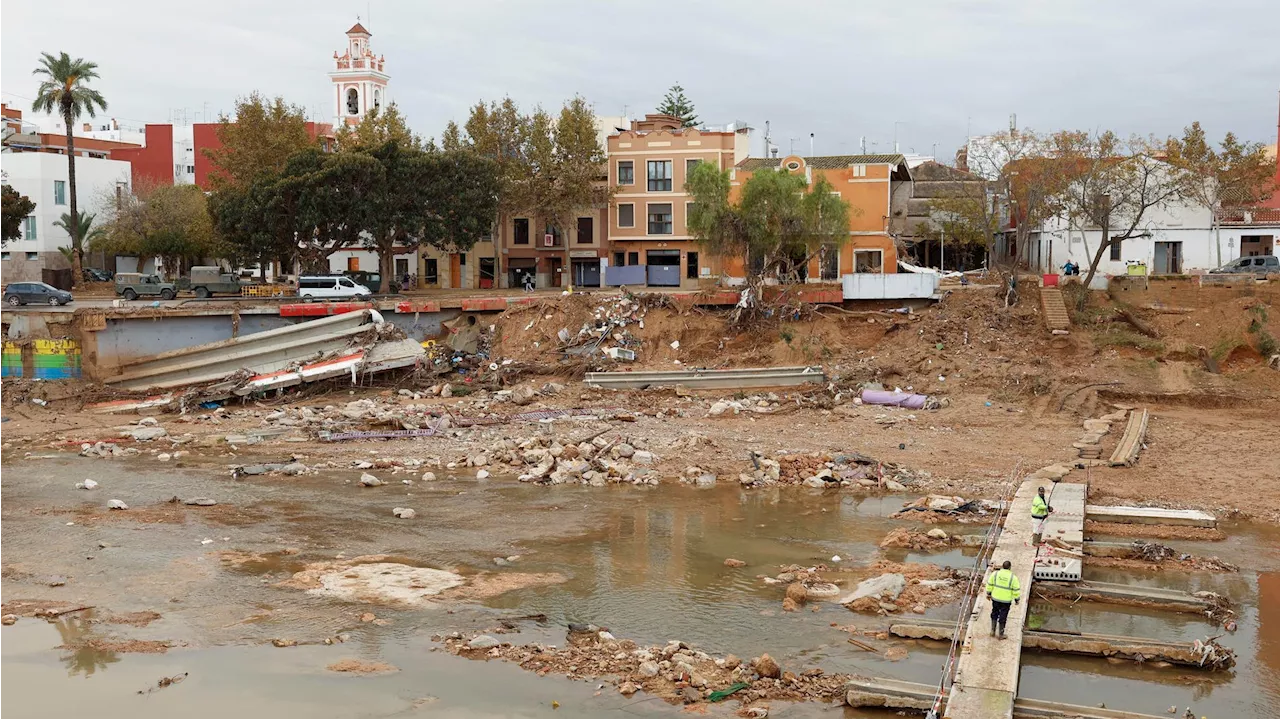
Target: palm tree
column 85, row 230
column 63, row 87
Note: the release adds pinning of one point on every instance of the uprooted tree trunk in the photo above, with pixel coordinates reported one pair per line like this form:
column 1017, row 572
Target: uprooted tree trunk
column 1138, row 324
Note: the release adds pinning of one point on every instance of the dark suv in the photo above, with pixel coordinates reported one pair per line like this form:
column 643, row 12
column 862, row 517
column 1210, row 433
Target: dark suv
column 21, row 293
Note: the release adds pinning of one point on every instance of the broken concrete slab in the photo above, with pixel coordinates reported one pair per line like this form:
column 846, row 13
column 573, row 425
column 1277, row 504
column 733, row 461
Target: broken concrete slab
column 884, row 586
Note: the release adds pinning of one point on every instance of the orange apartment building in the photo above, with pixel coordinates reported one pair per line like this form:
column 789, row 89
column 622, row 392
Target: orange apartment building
column 648, row 165
column 873, row 185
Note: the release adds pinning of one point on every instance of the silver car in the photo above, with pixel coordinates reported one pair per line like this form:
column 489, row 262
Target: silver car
column 1255, row 265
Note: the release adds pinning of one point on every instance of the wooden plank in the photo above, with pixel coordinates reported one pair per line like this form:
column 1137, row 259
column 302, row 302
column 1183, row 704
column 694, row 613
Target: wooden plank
column 1151, row 515
column 1131, row 443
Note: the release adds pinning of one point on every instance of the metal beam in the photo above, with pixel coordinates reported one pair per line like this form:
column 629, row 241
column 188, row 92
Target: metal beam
column 710, row 379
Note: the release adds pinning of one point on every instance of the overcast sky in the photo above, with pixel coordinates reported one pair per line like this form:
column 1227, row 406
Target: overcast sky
column 939, row 69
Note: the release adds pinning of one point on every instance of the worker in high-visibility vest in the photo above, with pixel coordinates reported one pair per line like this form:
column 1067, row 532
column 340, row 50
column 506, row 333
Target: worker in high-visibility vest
column 1040, row 510
column 1004, row 591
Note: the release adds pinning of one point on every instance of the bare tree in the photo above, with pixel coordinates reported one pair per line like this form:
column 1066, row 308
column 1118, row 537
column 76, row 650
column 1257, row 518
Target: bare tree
column 1114, row 184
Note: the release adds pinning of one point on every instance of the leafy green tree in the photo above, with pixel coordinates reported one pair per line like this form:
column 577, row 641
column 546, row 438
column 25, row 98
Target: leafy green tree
column 64, row 89
column 1238, row 174
column 16, row 207
column 171, row 222
column 257, row 141
column 677, row 105
column 776, row 224
column 377, row 129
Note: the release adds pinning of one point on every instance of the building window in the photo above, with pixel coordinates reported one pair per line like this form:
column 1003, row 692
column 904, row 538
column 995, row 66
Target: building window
column 59, row 192
column 659, row 175
column 551, row 238
column 4, row 256
column 691, row 265
column 660, row 219
column 829, row 264
column 191, row 169
column 431, row 271
column 462, row 259
column 586, row 231
column 33, row 256
column 29, row 227
column 1115, row 251
column 353, row 102
column 619, row 259
column 377, row 99
column 626, row 172
column 688, row 167
column 520, row 235
column 627, row 215
column 859, row 170
column 633, row 258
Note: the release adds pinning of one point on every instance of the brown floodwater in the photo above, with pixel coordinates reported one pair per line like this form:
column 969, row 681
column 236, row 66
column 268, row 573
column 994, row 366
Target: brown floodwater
column 645, row 562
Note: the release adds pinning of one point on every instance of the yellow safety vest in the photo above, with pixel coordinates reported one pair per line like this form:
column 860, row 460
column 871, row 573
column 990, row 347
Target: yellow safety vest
column 1039, row 507
column 1003, row 586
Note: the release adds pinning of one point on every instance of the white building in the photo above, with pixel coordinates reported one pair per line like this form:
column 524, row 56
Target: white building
column 42, row 176
column 1173, row 240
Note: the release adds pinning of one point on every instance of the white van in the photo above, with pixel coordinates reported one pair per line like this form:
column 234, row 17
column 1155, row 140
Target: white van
column 330, row 287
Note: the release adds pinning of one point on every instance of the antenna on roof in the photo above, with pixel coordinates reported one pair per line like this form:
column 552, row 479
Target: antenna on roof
column 811, row 144
column 862, row 145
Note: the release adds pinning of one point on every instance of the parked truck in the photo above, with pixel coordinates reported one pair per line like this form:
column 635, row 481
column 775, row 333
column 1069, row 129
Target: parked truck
column 132, row 285
column 206, row 281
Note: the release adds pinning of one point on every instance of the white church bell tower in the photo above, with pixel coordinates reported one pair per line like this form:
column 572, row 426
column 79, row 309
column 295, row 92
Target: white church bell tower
column 359, row 79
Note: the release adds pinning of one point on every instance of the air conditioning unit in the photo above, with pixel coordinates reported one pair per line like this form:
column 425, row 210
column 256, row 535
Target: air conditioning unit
column 548, row 240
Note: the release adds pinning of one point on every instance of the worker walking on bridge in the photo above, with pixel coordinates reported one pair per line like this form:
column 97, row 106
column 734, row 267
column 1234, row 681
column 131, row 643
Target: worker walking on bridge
column 1004, row 591
column 1040, row 510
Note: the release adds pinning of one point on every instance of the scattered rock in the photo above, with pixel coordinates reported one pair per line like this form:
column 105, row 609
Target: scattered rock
column 936, row 533
column 284, row 642
column 428, row 476
column 690, row 695
column 484, row 641
column 146, row 434
column 766, row 667
column 627, row 689
column 482, row 474
column 705, row 480
column 148, row 422
column 87, row 484
column 893, row 486
column 9, row 619
column 648, row 669
column 200, row 502
column 163, row 457
column 895, row 654
column 797, row 592
column 732, row 662
column 731, row 562
column 355, row 666
column 522, row 395
column 116, row 504
column 789, row 605
column 294, row 468
column 368, row 480
column 404, row 513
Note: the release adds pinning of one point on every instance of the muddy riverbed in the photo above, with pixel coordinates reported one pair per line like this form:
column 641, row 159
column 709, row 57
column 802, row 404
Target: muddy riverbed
column 645, row 562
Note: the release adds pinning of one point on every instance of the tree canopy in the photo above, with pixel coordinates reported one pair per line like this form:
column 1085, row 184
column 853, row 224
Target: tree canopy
column 257, row 141
column 171, row 222
column 776, row 224
column 16, row 207
column 677, row 105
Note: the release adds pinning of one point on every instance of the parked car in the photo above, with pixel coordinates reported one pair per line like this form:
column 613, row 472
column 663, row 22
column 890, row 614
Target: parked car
column 206, row 281
column 328, row 286
column 1256, row 265
column 132, row 285
column 21, row 293
column 93, row 274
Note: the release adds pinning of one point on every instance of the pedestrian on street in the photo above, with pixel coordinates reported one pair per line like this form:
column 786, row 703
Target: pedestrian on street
column 528, row 282
column 1004, row 591
column 1040, row 510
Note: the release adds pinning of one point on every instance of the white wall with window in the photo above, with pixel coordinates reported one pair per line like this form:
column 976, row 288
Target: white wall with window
column 42, row 177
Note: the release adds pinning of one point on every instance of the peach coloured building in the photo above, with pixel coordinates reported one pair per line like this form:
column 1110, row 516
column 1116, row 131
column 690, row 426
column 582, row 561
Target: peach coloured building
column 873, row 185
column 647, row 228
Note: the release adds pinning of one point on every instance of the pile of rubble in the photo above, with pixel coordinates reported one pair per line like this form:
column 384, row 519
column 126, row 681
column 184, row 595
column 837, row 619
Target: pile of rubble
column 548, row 460
column 676, row 672
column 934, row 508
column 804, row 584
column 932, row 540
column 826, row 471
column 904, row 586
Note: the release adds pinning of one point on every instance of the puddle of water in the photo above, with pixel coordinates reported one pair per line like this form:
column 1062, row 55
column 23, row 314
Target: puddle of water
column 645, row 562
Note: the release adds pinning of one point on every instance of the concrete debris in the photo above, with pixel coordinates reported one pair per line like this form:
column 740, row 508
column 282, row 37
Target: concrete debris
column 885, row 586
column 145, row 433
column 200, row 502
column 106, row 449
column 368, row 480
column 404, row 513
column 116, row 504
column 87, row 484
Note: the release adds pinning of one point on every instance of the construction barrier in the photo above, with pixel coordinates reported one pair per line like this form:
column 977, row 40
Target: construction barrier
column 42, row 359
column 268, row 291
